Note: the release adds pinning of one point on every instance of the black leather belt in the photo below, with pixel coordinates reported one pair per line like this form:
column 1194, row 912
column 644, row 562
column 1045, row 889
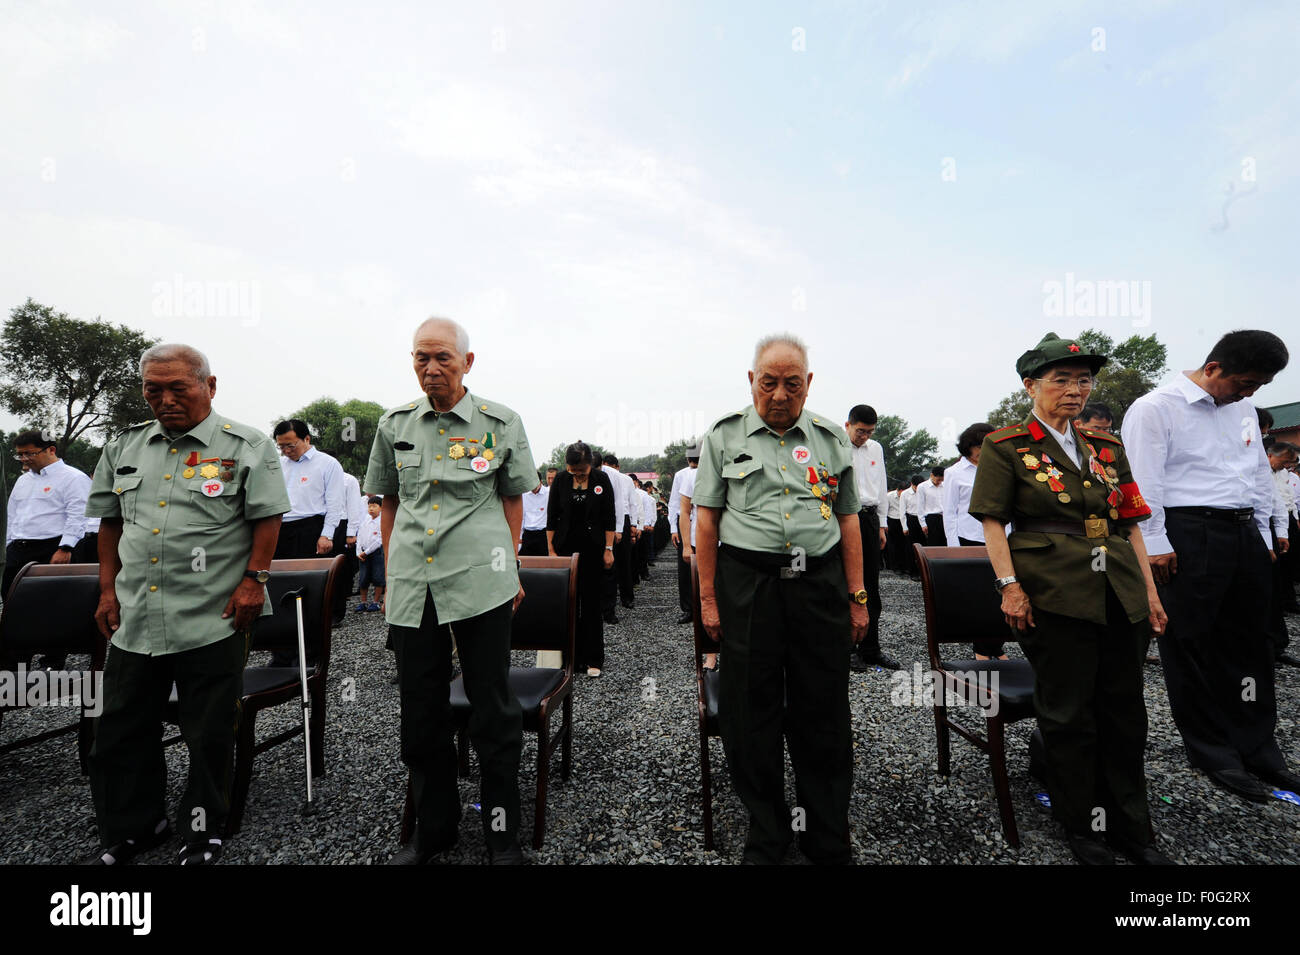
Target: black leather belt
column 780, row 565
column 869, row 509
column 33, row 541
column 1232, row 515
column 1097, row 528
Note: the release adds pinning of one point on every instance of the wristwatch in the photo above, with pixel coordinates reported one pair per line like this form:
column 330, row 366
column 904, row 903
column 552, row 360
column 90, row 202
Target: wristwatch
column 261, row 576
column 609, row 547
column 859, row 597
column 1002, row 582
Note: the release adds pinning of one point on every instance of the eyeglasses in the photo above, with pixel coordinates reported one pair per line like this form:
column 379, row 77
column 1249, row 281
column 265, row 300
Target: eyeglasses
column 1085, row 382
column 24, row 455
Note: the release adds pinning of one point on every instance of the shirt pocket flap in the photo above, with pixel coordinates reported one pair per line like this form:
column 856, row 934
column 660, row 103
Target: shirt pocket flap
column 407, row 459
column 126, row 483
column 741, row 470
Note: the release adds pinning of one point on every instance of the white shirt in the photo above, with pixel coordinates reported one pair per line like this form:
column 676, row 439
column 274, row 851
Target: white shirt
column 683, row 487
column 535, row 504
column 1186, row 451
column 929, row 499
column 1067, row 441
column 315, row 486
column 1292, row 480
column 648, row 509
column 958, row 480
column 908, row 501
column 895, row 507
column 49, row 503
column 623, row 489
column 369, row 536
column 869, row 475
column 357, row 505
column 1280, row 509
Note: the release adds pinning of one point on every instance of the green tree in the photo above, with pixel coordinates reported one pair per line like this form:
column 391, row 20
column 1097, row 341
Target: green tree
column 1136, row 365
column 905, row 453
column 345, row 431
column 673, row 459
column 72, row 377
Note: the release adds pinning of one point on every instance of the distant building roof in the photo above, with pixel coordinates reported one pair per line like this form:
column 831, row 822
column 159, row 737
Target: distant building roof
column 1285, row 417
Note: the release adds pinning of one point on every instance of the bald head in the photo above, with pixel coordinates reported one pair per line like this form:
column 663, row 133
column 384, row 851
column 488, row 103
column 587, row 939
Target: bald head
column 194, row 358
column 443, row 329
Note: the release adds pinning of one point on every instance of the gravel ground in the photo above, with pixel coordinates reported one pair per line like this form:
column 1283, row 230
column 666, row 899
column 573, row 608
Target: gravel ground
column 634, row 795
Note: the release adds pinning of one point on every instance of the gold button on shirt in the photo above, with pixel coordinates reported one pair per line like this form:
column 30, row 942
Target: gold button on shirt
column 172, row 601
column 450, row 536
column 760, row 482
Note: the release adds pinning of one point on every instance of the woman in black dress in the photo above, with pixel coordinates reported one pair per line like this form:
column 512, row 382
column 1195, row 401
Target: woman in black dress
column 580, row 520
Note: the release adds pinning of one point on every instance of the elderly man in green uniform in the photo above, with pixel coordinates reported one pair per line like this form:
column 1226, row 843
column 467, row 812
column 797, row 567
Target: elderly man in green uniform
column 1077, row 589
column 452, row 468
column 781, row 586
column 191, row 506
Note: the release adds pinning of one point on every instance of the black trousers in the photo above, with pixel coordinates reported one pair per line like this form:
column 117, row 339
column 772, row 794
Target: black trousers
column 589, row 632
column 128, row 774
column 869, row 526
column 683, row 582
column 787, row 673
column 428, row 729
column 22, row 552
column 298, row 538
column 617, row 580
column 1215, row 650
column 1088, row 699
column 1278, row 637
column 87, row 549
column 533, row 544
column 934, row 532
column 897, row 542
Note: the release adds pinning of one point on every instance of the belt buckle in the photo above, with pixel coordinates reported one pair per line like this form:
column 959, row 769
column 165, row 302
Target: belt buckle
column 789, row 573
column 1096, row 528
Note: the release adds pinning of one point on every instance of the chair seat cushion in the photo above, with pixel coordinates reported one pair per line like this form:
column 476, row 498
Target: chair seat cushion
column 1015, row 684
column 261, row 679
column 531, row 685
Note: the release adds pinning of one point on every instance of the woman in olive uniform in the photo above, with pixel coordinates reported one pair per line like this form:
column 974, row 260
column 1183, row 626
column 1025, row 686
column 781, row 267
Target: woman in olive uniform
column 1077, row 591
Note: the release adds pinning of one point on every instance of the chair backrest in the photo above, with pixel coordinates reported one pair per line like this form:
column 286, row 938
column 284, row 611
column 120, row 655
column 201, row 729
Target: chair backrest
column 961, row 605
column 317, row 577
column 547, row 619
column 51, row 609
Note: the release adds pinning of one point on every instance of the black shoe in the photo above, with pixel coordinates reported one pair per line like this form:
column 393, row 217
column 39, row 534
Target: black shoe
column 610, row 618
column 338, row 619
column 1287, row 660
column 878, row 659
column 1281, row 778
column 511, row 855
column 126, row 850
column 859, row 665
column 201, row 853
column 1238, row 782
column 1090, row 851
column 1141, row 855
column 415, row 853
column 686, row 617
column 629, row 604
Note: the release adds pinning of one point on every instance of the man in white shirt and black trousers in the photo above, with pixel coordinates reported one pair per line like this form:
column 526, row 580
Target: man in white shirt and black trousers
column 532, row 539
column 683, row 529
column 873, row 523
column 1197, row 457
column 317, row 522
column 929, row 509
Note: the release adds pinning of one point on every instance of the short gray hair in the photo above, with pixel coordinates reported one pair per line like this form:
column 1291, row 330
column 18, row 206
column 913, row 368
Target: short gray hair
column 785, row 338
column 462, row 336
column 175, row 352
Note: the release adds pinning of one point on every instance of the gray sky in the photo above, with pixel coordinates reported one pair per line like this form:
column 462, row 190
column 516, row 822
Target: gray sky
column 618, row 200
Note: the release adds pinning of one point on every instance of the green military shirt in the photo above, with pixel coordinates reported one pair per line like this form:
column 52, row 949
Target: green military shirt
column 1065, row 573
column 450, row 471
column 185, row 502
column 764, row 482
